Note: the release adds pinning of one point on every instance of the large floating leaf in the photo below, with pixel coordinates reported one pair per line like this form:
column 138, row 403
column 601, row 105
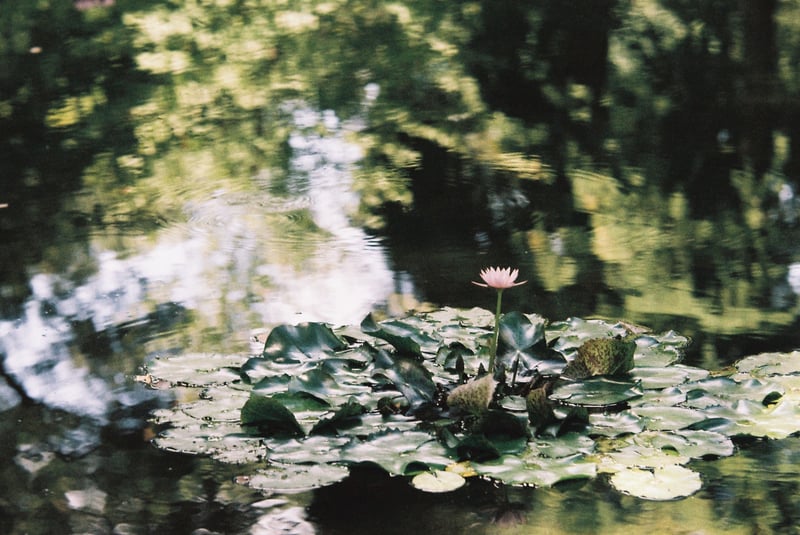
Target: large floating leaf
column 748, row 418
column 769, row 364
column 596, row 392
column 348, row 415
column 288, row 345
column 663, row 483
column 664, row 418
column 291, row 478
column 298, row 342
column 197, row 369
column 522, row 346
column 395, row 451
column 537, row 471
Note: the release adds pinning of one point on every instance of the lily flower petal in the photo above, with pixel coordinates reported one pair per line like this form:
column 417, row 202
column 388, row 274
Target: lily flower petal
column 499, row 278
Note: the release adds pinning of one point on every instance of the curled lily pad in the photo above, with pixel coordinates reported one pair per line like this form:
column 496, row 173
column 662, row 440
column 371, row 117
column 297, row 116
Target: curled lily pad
column 269, row 417
column 296, row 343
column 521, row 344
column 408, row 376
column 406, row 338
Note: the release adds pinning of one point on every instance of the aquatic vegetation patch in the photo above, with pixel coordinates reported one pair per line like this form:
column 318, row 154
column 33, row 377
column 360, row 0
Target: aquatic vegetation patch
column 569, row 400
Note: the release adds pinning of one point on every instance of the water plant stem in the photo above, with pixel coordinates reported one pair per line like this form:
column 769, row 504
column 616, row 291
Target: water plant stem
column 496, row 339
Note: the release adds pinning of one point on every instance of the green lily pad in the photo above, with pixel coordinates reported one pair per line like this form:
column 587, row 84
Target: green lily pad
column 666, row 397
column 668, row 482
column 769, row 364
column 659, row 351
column 521, row 342
column 197, row 369
column 537, row 471
column 296, row 343
column 613, row 424
column 407, row 339
column 292, row 478
column 394, row 451
column 694, row 444
column 666, row 418
column 408, row 376
column 596, row 392
column 438, row 481
column 748, row 418
column 314, row 449
column 372, row 397
column 564, row 446
column 348, row 415
column 655, row 377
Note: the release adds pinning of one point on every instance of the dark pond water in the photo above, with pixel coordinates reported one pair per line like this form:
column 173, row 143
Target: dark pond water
column 180, row 176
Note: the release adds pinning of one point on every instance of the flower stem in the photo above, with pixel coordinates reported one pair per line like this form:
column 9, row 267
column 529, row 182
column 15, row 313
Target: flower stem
column 493, row 352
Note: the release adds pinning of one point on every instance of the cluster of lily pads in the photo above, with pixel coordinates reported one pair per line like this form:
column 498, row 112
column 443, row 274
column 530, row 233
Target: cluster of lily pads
column 573, row 399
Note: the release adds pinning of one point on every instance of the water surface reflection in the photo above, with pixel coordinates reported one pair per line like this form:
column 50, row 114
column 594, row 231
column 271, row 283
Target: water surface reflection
column 179, row 178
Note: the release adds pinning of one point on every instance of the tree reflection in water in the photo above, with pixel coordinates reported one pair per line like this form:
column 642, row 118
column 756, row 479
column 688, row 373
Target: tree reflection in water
column 177, row 176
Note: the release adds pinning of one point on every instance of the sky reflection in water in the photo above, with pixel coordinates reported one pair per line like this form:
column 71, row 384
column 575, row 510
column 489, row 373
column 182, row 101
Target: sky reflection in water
column 343, row 273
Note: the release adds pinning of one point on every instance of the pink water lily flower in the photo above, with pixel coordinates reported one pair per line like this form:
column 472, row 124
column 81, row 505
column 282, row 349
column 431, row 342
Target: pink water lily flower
column 499, row 278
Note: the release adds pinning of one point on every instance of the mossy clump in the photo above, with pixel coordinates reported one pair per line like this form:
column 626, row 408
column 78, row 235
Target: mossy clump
column 602, row 356
column 473, row 397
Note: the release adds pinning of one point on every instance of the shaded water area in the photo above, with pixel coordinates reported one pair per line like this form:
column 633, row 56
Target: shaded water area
column 179, row 177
